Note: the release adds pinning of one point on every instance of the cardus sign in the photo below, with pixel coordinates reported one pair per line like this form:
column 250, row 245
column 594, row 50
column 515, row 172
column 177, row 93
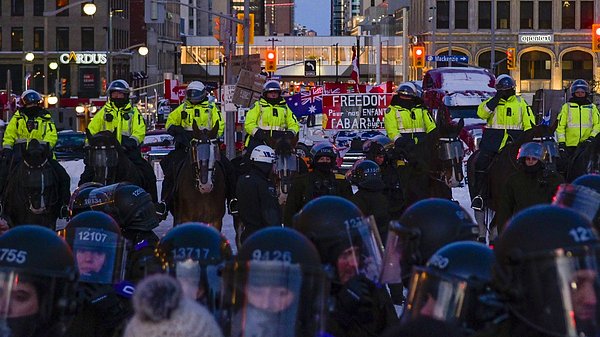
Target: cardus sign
column 83, row 58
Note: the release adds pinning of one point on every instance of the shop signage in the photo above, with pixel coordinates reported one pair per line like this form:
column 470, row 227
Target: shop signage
column 83, row 58
column 536, row 38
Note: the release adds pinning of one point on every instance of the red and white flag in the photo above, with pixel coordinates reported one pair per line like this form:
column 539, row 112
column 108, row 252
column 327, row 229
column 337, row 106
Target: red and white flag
column 355, row 75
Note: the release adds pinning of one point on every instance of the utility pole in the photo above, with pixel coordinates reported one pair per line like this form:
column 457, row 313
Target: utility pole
column 493, row 37
column 337, row 61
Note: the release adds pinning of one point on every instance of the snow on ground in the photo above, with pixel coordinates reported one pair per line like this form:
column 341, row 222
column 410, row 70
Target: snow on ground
column 75, row 168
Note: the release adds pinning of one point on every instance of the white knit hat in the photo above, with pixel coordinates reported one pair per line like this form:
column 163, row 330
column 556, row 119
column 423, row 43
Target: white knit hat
column 162, row 311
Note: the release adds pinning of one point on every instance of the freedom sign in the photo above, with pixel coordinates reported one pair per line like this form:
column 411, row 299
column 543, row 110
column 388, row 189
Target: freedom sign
column 355, row 111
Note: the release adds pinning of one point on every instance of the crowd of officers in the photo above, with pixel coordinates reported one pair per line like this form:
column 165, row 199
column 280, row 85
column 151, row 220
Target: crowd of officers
column 343, row 264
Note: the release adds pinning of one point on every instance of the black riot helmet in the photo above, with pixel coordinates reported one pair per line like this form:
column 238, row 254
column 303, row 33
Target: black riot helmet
column 98, row 246
column 425, row 227
column 323, row 149
column 336, row 225
column 81, row 201
column 582, row 195
column 31, row 97
column 38, row 275
column 580, row 85
column 120, row 86
column 549, row 280
column 377, row 146
column 505, row 82
column 195, row 254
column 367, row 174
column 278, row 287
column 449, row 286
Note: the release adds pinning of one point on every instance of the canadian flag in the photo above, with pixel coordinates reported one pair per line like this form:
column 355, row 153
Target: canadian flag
column 355, row 75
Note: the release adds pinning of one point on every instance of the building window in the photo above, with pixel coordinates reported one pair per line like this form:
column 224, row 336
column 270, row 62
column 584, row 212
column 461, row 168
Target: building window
column 16, row 39
column 87, row 38
column 503, row 15
column 485, row 15
column 442, row 15
column 62, row 38
column 38, row 38
column 17, row 7
column 60, row 4
column 568, row 17
column 545, row 15
column 587, row 14
column 526, row 14
column 38, row 7
column 461, row 15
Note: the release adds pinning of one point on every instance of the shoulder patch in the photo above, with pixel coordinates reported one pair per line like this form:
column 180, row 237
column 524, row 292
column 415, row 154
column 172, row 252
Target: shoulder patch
column 388, row 110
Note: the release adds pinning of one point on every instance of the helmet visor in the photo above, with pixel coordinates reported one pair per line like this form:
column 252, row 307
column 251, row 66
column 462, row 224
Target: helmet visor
column 100, row 255
column 274, row 298
column 561, row 290
column 441, row 297
column 580, row 198
column 199, row 280
column 550, row 151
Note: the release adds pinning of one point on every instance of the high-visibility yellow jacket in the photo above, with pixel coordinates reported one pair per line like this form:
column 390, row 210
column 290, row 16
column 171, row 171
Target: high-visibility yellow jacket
column 126, row 121
column 206, row 114
column 576, row 123
column 266, row 116
column 511, row 114
column 43, row 129
column 399, row 120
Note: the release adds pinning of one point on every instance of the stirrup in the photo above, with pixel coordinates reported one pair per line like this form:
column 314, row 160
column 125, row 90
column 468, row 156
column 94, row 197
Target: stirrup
column 161, row 210
column 477, row 203
column 233, row 206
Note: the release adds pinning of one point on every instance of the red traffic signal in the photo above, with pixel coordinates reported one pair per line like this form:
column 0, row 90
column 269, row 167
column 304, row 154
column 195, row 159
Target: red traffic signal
column 511, row 61
column 418, row 56
column 271, row 61
column 596, row 37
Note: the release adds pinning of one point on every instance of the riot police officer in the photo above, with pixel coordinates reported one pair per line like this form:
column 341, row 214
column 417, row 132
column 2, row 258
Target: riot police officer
column 104, row 294
column 321, row 181
column 407, row 116
column 195, row 254
column 507, row 116
column 270, row 113
column 548, row 281
column 451, row 285
column 349, row 248
column 30, row 122
column 37, row 280
column 257, row 196
column 118, row 115
column 276, row 287
column 583, row 196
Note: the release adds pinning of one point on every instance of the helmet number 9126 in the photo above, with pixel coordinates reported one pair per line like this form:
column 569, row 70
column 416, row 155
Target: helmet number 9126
column 13, row 255
column 274, row 255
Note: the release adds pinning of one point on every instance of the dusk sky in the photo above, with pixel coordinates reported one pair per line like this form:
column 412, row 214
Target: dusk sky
column 314, row 14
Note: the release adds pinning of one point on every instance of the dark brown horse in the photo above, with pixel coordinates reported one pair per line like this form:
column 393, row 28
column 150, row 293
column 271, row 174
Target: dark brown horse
column 32, row 193
column 200, row 182
column 585, row 160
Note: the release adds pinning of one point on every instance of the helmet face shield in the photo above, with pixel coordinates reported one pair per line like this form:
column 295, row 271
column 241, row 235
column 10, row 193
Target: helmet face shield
column 582, row 199
column 561, row 290
column 199, row 281
column 196, row 96
column 100, row 255
column 401, row 241
column 274, row 298
column 442, row 297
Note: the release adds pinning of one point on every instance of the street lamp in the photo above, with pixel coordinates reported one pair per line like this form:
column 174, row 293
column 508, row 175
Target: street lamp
column 29, row 57
column 143, row 50
column 89, row 9
column 84, row 111
column 52, row 99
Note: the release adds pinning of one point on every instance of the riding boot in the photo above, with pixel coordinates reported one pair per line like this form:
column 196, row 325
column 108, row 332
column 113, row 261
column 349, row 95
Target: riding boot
column 480, row 188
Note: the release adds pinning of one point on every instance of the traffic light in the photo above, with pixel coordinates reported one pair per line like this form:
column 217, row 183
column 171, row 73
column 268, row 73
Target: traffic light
column 217, row 28
column 511, row 58
column 271, row 60
column 240, row 29
column 596, row 38
column 418, row 56
column 63, row 86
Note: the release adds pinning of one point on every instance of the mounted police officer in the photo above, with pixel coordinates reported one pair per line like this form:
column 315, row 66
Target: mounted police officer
column 198, row 109
column 118, row 115
column 321, row 181
column 30, row 122
column 578, row 119
column 407, row 116
column 257, row 196
column 269, row 114
column 507, row 116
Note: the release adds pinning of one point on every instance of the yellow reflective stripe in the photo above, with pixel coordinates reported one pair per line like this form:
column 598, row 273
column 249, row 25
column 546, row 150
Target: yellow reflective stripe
column 399, row 119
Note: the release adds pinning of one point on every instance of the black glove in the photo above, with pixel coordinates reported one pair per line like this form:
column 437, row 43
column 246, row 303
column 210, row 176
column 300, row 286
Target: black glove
column 129, row 143
column 289, row 135
column 493, row 103
column 105, row 302
column 261, row 135
column 356, row 293
column 7, row 154
column 179, row 134
column 175, row 130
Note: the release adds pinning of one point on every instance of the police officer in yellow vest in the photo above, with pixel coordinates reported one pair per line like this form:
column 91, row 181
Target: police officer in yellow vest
column 195, row 108
column 578, row 119
column 120, row 116
column 507, row 116
column 270, row 113
column 407, row 116
column 30, row 122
